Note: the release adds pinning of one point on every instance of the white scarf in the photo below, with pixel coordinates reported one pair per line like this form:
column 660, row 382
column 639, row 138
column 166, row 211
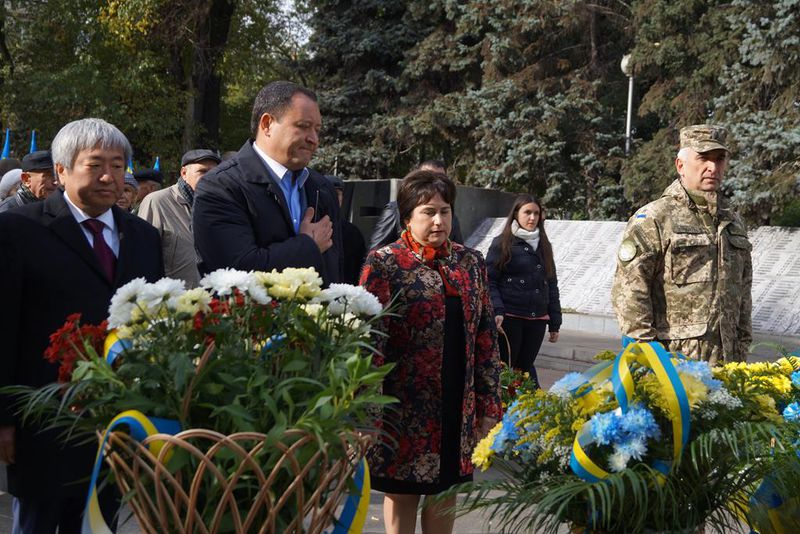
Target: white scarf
column 532, row 238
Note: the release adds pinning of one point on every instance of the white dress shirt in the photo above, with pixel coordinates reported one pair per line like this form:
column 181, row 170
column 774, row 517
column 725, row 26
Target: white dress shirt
column 110, row 233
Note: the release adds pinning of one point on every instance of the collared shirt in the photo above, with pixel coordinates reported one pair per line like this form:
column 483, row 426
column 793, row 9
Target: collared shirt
column 110, row 233
column 293, row 192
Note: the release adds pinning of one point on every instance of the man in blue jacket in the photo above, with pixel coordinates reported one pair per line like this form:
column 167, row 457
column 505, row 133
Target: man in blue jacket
column 264, row 209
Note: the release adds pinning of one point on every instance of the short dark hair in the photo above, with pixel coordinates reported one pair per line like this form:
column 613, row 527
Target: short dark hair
column 430, row 164
column 274, row 98
column 419, row 187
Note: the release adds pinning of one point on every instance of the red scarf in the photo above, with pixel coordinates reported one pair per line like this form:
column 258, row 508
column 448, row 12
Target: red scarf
column 432, row 257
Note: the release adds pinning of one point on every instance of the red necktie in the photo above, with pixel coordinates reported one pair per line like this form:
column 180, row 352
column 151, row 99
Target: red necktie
column 101, row 249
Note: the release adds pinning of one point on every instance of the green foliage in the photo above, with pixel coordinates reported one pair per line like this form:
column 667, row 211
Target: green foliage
column 168, row 74
column 741, row 429
column 719, row 470
column 525, row 103
column 733, row 63
column 524, row 95
column 536, row 101
column 235, row 362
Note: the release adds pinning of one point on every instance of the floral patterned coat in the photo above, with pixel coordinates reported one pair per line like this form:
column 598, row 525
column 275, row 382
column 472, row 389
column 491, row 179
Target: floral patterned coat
column 415, row 343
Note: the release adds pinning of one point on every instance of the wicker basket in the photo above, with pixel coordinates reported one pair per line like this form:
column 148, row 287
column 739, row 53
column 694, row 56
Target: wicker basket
column 220, row 477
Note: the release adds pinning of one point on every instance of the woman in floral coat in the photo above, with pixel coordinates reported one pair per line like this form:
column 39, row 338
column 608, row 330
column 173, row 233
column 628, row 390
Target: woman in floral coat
column 443, row 343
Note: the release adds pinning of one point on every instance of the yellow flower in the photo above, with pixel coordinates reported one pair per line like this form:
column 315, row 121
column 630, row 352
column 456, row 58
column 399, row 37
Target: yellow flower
column 482, row 455
column 780, row 384
column 696, row 391
column 787, row 365
column 767, row 408
column 125, row 332
column 291, row 283
column 588, row 403
column 193, row 301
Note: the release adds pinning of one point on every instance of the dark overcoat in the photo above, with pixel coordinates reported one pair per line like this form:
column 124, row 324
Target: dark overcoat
column 49, row 271
column 241, row 220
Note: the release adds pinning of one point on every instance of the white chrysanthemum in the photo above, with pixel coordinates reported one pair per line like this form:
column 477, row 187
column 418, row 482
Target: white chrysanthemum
column 312, row 310
column 124, row 302
column 164, row 292
column 343, row 298
column 618, row 461
column 257, row 292
column 193, row 301
column 223, row 281
column 352, row 320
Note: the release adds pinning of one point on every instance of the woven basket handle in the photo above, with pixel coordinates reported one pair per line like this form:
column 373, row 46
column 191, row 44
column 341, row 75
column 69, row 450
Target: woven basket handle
column 502, row 335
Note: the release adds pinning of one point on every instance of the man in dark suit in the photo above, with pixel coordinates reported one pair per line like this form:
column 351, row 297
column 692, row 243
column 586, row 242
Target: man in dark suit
column 264, row 209
column 64, row 255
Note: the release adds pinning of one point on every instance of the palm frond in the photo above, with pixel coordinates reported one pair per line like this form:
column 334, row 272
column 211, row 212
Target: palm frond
column 711, row 484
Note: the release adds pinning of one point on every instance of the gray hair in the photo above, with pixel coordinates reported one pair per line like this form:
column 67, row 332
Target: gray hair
column 684, row 153
column 86, row 134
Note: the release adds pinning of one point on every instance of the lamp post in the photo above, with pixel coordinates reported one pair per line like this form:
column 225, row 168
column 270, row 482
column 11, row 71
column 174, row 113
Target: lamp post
column 627, row 70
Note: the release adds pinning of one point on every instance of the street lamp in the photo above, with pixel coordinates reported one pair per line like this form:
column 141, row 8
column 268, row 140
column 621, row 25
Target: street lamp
column 627, row 70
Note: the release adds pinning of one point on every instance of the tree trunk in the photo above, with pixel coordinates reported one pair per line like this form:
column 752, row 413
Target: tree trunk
column 211, row 40
column 5, row 54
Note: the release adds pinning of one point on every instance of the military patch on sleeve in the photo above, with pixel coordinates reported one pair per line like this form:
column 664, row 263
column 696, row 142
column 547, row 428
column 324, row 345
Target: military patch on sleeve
column 627, row 250
column 641, row 216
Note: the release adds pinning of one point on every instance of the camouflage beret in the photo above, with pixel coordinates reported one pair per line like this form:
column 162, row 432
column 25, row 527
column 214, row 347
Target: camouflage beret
column 704, row 137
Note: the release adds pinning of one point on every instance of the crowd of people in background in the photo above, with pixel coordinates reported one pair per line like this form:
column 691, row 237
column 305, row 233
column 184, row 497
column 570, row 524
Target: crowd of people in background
column 76, row 226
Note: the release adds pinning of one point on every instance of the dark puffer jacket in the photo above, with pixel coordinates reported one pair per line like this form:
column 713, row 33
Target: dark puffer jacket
column 522, row 287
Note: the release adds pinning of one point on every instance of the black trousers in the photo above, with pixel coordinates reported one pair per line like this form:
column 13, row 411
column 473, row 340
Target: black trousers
column 525, row 338
column 45, row 515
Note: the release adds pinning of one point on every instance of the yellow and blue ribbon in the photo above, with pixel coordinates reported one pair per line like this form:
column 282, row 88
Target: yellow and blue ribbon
column 595, row 375
column 114, row 346
column 651, row 355
column 354, row 512
column 140, row 427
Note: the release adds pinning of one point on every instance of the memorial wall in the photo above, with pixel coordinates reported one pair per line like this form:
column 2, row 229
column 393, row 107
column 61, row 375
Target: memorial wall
column 585, row 255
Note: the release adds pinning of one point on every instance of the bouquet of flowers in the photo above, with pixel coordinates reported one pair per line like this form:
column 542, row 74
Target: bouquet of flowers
column 645, row 441
column 513, row 383
column 264, row 363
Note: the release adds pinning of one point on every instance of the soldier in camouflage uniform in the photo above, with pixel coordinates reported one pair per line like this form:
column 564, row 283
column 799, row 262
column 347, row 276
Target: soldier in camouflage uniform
column 684, row 271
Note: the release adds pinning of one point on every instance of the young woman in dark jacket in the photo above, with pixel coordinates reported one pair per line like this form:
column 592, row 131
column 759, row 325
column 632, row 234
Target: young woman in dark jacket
column 523, row 283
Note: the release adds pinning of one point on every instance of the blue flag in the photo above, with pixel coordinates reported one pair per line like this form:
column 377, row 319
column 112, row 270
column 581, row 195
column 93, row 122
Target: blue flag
column 7, row 145
column 33, row 142
column 129, row 170
column 157, row 164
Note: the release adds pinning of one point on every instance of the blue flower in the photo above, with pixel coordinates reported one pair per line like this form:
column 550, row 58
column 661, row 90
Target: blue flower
column 508, row 431
column 701, row 371
column 633, row 448
column 639, row 423
column 792, row 412
column 605, row 428
column 796, row 379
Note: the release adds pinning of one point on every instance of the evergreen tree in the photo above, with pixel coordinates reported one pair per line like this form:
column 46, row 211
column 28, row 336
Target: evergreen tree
column 355, row 55
column 731, row 63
